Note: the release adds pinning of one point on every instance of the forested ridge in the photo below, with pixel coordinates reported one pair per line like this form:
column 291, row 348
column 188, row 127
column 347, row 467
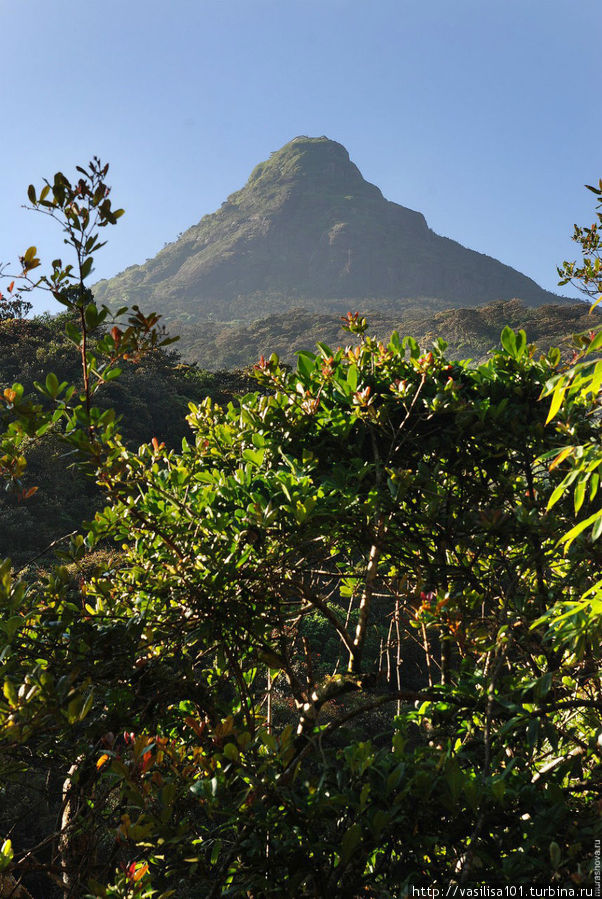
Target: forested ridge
column 341, row 637
column 471, row 333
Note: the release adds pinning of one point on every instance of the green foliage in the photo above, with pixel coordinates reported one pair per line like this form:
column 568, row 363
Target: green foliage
column 417, row 481
column 13, row 306
column 387, row 503
column 587, row 276
column 51, row 497
column 578, row 622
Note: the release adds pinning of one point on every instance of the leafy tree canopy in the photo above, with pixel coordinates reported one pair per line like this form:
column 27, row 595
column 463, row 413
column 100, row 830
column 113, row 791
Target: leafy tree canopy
column 316, row 660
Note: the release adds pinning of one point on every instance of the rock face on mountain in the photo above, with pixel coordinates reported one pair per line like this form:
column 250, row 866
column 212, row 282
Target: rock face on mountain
column 307, row 228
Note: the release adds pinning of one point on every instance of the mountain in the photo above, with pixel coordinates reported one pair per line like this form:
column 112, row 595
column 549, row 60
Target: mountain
column 308, row 230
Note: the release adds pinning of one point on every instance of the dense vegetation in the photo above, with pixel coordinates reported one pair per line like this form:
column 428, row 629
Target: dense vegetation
column 151, row 397
column 345, row 640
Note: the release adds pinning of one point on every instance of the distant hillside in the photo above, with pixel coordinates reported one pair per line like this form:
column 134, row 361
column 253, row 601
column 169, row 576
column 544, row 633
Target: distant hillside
column 308, row 230
column 470, row 333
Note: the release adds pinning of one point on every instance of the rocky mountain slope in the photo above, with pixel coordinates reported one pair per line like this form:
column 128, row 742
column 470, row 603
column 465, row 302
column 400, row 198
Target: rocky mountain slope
column 308, row 230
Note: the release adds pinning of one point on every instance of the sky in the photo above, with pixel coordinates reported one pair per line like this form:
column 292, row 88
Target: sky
column 481, row 114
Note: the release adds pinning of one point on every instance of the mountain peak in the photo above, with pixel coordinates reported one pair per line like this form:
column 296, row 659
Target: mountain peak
column 307, row 228
column 312, row 163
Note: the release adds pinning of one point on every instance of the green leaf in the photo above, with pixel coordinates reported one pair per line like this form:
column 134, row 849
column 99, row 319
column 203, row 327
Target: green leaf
column 305, row 364
column 10, row 693
column 52, row 384
column 579, row 493
column 411, row 344
column 91, row 315
column 73, row 332
column 597, row 528
column 325, row 350
column 231, row 752
column 6, row 856
column 86, row 268
column 508, row 341
column 350, row 841
column 88, row 703
column 521, row 343
column 74, row 708
column 558, row 492
column 255, row 457
column 580, row 527
column 557, row 398
column 352, row 377
column 215, row 851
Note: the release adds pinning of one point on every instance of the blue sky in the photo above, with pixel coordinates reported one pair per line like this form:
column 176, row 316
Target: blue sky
column 482, row 114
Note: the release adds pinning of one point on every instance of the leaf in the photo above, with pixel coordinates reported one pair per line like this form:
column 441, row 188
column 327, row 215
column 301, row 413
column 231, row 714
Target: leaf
column 6, row 856
column 231, row 752
column 255, row 457
column 579, row 528
column 409, row 342
column 305, row 364
column 395, row 343
column 74, row 709
column 597, row 528
column 555, row 855
column 351, row 839
column 10, row 693
column 52, row 384
column 139, row 872
column 579, row 494
column 352, row 377
column 508, row 341
column 268, row 740
column 562, row 455
column 88, row 702
column 521, row 343
column 86, row 268
column 557, row 398
column 31, row 193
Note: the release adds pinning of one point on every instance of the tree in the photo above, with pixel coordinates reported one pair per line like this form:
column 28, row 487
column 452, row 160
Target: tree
column 302, row 656
column 578, row 622
column 587, row 276
column 13, row 306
